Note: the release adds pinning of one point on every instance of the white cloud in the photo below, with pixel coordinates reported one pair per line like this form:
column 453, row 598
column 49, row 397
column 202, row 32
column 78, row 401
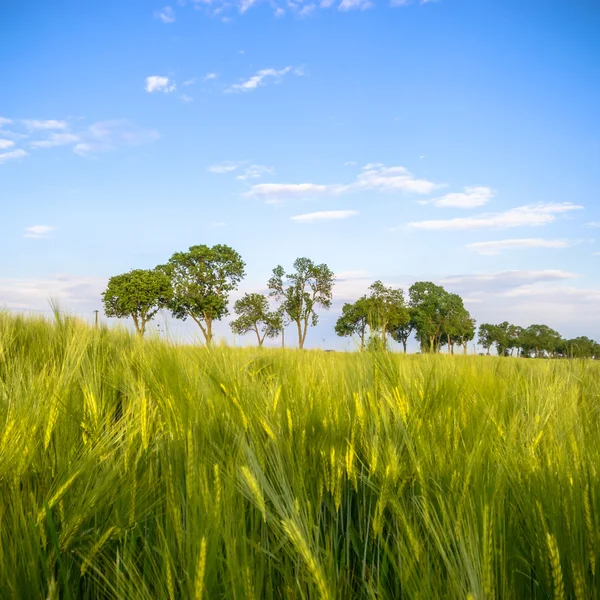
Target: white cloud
column 76, row 293
column 503, row 280
column 307, row 9
column 210, row 76
column 4, row 144
column 5, row 121
column 593, row 224
column 525, row 297
column 38, row 231
column 355, row 5
column 35, row 125
column 187, row 99
column 373, row 177
column 158, row 83
column 274, row 193
column 13, row 154
column 108, row 135
column 523, row 216
column 496, row 247
column 166, row 15
column 225, row 167
column 392, row 179
column 327, row 215
column 255, row 172
column 470, row 198
column 56, row 139
column 259, row 79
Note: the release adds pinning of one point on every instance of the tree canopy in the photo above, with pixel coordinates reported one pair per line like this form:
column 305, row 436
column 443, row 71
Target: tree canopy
column 302, row 291
column 254, row 315
column 202, row 279
column 138, row 294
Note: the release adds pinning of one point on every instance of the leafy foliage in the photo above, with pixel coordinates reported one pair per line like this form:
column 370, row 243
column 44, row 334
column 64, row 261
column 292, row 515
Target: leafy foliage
column 254, row 315
column 139, row 294
column 302, row 291
column 202, row 279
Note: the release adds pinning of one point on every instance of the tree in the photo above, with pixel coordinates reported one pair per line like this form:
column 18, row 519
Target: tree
column 386, row 309
column 254, row 315
column 139, row 294
column 454, row 317
column 426, row 302
column 486, row 336
column 202, row 279
column 302, row 291
column 402, row 333
column 354, row 320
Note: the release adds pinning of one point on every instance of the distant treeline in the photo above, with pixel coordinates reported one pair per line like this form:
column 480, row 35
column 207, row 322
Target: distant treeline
column 196, row 284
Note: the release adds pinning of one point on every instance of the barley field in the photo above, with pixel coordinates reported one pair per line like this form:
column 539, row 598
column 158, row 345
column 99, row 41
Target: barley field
column 139, row 469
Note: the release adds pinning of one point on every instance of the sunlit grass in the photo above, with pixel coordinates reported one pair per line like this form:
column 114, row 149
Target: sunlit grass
column 138, row 469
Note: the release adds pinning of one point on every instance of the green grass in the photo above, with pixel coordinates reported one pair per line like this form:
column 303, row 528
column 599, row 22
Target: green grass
column 133, row 469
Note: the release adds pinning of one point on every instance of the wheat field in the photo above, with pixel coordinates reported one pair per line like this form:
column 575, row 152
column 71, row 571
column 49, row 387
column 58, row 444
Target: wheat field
column 140, row 469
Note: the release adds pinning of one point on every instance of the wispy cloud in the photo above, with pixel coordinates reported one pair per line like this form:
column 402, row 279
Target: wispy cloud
column 210, row 76
column 166, row 15
column 36, row 125
column 593, row 224
column 373, row 177
column 497, row 247
column 108, row 135
column 56, row 139
column 38, row 231
column 217, row 8
column 251, row 171
column 470, row 198
column 4, row 121
column 326, row 215
column 225, row 167
column 503, row 280
column 12, row 155
column 4, row 144
column 255, row 172
column 158, row 83
column 187, row 99
column 355, row 5
column 522, row 216
column 260, row 78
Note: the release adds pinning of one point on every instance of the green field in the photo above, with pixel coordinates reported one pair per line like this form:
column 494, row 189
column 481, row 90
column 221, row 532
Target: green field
column 138, row 469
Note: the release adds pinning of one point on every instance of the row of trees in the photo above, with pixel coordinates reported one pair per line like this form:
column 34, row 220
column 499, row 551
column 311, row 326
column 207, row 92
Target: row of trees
column 536, row 340
column 436, row 317
column 197, row 284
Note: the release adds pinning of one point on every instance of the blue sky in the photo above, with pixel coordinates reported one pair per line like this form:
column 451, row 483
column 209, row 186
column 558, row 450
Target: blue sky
column 453, row 140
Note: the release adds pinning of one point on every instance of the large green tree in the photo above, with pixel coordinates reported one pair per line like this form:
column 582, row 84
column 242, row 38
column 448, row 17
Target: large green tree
column 139, row 294
column 254, row 315
column 354, row 320
column 302, row 291
column 202, row 279
column 426, row 301
column 387, row 310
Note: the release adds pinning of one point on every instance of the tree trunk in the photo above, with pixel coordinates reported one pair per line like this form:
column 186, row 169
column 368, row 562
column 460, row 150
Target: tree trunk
column 282, row 337
column 431, row 343
column 404, row 345
column 300, row 338
column 138, row 329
